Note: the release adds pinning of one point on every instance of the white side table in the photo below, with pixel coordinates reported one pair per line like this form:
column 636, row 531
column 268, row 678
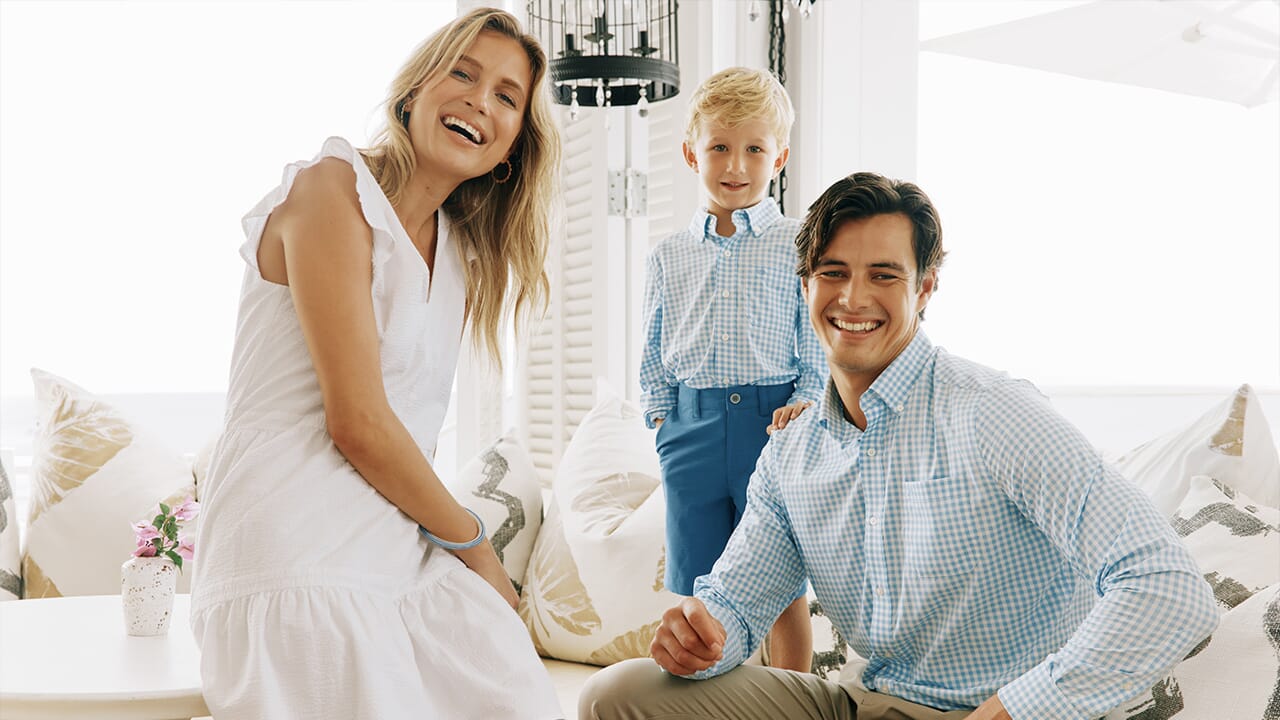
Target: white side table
column 70, row 657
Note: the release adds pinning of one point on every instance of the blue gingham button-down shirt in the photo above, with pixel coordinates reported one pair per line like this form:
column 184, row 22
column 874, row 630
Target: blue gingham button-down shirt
column 728, row 311
column 969, row 541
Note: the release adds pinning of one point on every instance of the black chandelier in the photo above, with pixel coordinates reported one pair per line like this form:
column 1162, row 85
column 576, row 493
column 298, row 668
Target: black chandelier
column 609, row 52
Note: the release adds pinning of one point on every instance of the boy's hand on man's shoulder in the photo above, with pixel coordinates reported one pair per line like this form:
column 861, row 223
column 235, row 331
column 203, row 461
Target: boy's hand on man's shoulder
column 786, row 414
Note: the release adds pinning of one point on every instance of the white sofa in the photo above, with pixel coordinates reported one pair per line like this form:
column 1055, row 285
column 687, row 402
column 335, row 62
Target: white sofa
column 602, row 516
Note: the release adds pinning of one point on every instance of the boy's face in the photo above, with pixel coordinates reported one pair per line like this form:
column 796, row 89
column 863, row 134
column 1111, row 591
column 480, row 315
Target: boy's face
column 735, row 164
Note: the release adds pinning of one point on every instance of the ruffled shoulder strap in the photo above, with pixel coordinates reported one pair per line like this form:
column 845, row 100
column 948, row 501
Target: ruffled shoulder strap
column 374, row 205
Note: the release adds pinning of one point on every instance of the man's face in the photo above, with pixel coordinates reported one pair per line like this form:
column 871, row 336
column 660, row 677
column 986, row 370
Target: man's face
column 735, row 164
column 864, row 298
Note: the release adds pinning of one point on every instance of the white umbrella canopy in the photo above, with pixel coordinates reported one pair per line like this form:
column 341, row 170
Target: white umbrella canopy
column 1221, row 50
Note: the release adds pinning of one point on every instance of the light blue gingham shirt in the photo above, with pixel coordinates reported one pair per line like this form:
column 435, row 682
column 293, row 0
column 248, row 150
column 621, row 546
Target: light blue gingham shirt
column 728, row 311
column 969, row 541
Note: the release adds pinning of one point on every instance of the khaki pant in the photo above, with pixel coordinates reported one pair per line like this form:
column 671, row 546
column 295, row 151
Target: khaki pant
column 640, row 690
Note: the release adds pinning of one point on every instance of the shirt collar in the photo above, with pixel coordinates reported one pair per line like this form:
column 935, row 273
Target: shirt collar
column 895, row 382
column 890, row 389
column 758, row 219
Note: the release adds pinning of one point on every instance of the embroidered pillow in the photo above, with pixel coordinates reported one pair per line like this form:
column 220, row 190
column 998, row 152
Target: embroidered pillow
column 93, row 474
column 1236, row 543
column 501, row 486
column 10, row 543
column 1234, row 540
column 1235, row 674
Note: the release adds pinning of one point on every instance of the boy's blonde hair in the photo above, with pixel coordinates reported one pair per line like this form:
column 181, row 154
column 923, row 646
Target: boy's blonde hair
column 737, row 95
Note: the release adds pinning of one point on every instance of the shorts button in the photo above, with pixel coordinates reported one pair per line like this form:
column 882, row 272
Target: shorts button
column 735, row 398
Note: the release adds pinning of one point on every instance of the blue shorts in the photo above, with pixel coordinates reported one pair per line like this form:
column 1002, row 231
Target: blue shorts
column 708, row 446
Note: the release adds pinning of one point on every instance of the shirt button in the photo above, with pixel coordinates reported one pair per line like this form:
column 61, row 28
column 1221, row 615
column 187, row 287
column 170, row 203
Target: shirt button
column 727, row 253
column 900, row 407
column 724, row 381
column 724, row 336
column 879, row 589
column 726, row 293
column 871, row 452
column 871, row 520
column 735, row 398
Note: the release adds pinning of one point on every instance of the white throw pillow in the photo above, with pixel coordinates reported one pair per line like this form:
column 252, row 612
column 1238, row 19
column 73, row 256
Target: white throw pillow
column 594, row 591
column 1231, row 442
column 93, row 474
column 10, row 543
column 1234, row 540
column 501, row 486
column 1236, row 674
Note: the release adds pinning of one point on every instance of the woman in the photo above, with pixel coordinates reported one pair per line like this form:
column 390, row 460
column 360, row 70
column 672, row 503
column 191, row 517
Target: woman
column 337, row 577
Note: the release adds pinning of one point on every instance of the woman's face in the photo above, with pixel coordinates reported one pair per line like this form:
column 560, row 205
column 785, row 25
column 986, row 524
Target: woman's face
column 464, row 121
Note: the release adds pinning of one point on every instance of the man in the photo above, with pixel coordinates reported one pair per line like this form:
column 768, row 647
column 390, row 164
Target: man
column 969, row 542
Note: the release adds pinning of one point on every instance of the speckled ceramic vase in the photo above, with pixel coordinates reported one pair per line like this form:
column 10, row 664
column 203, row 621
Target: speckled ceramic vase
column 147, row 585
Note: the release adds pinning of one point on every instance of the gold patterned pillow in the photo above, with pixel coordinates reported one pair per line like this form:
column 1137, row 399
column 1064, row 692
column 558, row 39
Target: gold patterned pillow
column 1231, row 442
column 593, row 591
column 93, row 474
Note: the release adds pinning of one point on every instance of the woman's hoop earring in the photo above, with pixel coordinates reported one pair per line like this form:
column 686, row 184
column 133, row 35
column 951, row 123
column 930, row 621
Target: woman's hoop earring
column 507, row 176
column 403, row 114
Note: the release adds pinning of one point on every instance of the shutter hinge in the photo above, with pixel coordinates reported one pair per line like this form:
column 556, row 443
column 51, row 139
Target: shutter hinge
column 628, row 193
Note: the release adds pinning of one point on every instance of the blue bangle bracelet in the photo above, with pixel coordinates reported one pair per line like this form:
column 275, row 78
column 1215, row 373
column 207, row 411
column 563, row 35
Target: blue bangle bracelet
column 453, row 545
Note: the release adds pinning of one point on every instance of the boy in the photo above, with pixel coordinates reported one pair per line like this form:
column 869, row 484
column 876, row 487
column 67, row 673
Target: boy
column 729, row 346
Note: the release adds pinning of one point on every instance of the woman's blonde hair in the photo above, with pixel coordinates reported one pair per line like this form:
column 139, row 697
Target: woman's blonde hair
column 504, row 228
column 736, row 95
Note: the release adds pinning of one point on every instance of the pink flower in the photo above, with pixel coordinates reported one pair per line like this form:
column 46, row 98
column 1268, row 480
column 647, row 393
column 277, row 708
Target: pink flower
column 145, row 533
column 188, row 510
column 147, row 550
column 186, row 548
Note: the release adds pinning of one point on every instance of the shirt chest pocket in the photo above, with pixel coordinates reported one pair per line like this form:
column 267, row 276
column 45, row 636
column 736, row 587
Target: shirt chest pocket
column 943, row 528
column 775, row 289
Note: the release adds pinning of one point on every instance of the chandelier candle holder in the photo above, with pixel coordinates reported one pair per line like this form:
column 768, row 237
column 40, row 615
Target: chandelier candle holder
column 608, row 53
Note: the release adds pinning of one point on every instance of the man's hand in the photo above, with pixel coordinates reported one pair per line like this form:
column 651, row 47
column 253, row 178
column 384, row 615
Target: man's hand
column 786, row 414
column 657, row 422
column 992, row 709
column 688, row 640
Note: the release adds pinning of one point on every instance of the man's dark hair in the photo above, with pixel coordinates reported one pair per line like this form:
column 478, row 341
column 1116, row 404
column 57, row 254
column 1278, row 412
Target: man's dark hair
column 863, row 195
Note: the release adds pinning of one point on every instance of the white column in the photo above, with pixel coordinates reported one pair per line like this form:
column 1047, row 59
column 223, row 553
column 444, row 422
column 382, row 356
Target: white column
column 852, row 73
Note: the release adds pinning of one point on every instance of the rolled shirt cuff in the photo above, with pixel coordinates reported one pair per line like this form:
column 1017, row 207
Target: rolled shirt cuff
column 1035, row 696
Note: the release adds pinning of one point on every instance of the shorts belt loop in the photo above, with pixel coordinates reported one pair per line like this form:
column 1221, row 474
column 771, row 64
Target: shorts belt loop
column 689, row 402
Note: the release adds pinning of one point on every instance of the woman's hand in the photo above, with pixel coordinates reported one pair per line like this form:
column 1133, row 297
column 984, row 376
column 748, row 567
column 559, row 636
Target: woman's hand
column 484, row 562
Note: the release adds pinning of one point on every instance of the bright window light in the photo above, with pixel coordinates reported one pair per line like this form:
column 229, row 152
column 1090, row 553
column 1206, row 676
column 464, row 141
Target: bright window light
column 134, row 135
column 1100, row 234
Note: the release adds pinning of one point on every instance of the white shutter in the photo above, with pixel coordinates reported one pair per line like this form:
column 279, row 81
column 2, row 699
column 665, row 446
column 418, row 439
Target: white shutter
column 555, row 385
column 670, row 203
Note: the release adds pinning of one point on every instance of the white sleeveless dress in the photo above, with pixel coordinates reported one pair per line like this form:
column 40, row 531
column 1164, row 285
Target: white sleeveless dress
column 315, row 597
